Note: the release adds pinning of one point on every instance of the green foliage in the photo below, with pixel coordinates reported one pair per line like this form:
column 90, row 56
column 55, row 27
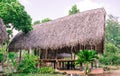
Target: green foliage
column 110, row 59
column 86, row 56
column 36, row 22
column 46, row 20
column 14, row 14
column 111, row 56
column 2, row 53
column 1, row 57
column 113, row 31
column 74, row 10
column 111, row 48
column 12, row 56
column 46, row 70
column 28, row 64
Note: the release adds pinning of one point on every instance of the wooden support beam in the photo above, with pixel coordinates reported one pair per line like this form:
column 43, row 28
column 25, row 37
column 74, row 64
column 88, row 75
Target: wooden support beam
column 74, row 56
column 46, row 53
column 55, row 54
column 54, row 65
column 20, row 55
column 63, row 65
column 28, row 51
column 71, row 52
column 40, row 54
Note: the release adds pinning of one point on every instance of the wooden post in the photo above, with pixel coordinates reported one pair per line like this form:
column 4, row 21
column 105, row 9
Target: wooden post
column 71, row 56
column 54, row 65
column 28, row 51
column 90, row 47
column 39, row 54
column 63, row 65
column 20, row 55
column 36, row 52
column 91, row 65
column 84, row 47
column 55, row 54
column 81, row 66
column 74, row 56
column 46, row 53
column 71, row 52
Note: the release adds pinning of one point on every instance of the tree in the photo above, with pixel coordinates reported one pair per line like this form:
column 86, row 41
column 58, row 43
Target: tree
column 46, row 20
column 15, row 16
column 36, row 22
column 113, row 31
column 74, row 10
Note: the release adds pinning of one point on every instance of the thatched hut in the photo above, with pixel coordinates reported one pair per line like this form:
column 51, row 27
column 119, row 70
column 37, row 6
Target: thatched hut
column 3, row 33
column 85, row 30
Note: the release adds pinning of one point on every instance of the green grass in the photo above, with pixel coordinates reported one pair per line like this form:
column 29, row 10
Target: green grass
column 22, row 74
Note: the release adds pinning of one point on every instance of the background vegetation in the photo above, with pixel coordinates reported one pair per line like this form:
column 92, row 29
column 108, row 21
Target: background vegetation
column 112, row 52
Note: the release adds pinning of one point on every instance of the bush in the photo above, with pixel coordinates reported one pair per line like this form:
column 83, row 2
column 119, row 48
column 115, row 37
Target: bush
column 111, row 48
column 12, row 56
column 46, row 70
column 111, row 56
column 28, row 64
column 1, row 57
column 110, row 59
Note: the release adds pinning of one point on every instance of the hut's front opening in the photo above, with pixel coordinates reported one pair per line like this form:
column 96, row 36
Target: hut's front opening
column 63, row 58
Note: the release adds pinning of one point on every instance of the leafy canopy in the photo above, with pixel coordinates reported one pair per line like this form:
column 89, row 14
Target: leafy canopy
column 13, row 13
column 43, row 21
column 36, row 22
column 113, row 31
column 46, row 20
column 74, row 10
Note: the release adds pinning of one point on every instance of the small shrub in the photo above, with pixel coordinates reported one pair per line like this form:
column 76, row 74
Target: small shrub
column 1, row 57
column 111, row 56
column 111, row 48
column 28, row 64
column 110, row 59
column 12, row 56
column 46, row 70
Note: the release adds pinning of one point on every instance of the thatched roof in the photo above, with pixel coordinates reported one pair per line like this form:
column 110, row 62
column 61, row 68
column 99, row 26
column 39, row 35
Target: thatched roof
column 83, row 28
column 3, row 33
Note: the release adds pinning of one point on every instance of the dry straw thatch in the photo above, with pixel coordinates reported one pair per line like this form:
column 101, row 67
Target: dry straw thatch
column 85, row 28
column 3, row 33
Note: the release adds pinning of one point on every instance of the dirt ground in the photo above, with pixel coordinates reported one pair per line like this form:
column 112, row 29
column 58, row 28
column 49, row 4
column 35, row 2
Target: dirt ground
column 112, row 73
column 96, row 72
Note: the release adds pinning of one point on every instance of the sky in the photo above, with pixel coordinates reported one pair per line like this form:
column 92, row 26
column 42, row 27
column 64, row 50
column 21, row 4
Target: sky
column 53, row 9
column 40, row 9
